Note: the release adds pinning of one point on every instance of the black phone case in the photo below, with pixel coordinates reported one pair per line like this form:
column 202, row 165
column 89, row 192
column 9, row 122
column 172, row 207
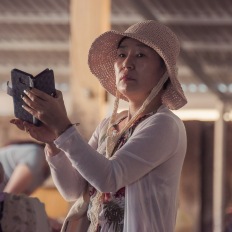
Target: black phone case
column 21, row 81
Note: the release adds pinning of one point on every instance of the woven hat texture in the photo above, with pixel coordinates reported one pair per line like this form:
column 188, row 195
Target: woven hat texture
column 159, row 37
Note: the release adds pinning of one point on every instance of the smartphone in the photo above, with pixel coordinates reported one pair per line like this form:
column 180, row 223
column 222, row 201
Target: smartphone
column 21, row 81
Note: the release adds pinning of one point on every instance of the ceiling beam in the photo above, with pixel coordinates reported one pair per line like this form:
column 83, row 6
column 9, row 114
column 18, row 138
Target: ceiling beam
column 34, row 46
column 175, row 20
column 59, row 70
column 148, row 11
column 125, row 20
column 206, row 46
column 62, row 19
column 198, row 21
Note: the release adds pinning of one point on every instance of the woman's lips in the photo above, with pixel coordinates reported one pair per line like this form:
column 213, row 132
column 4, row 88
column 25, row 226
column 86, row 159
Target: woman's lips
column 126, row 78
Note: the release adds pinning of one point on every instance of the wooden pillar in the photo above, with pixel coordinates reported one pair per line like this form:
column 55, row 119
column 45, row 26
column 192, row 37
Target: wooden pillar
column 88, row 20
column 219, row 171
column 206, row 163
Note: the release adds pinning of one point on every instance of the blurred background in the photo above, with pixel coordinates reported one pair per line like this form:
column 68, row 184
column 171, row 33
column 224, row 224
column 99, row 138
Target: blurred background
column 35, row 35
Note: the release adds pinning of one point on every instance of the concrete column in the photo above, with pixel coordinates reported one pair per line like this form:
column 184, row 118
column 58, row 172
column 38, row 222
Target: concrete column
column 219, row 171
column 88, row 20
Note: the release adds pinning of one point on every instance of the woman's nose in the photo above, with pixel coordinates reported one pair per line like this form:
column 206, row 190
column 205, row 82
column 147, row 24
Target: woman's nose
column 128, row 62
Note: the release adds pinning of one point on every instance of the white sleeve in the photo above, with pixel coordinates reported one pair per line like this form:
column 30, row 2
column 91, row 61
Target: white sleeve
column 67, row 179
column 151, row 144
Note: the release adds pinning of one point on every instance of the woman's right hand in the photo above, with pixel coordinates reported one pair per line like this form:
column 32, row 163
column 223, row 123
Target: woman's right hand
column 49, row 110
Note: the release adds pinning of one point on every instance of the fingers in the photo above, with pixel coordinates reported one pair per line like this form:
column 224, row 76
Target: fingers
column 30, row 106
column 28, row 127
column 33, row 93
column 49, row 110
column 41, row 133
column 18, row 123
column 22, row 125
column 31, row 130
column 30, row 110
column 59, row 94
column 35, row 96
column 33, row 102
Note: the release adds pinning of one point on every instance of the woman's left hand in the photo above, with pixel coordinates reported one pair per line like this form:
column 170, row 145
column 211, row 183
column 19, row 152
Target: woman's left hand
column 50, row 110
column 41, row 133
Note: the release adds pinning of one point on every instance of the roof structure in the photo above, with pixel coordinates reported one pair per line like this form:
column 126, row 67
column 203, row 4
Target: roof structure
column 35, row 35
column 205, row 31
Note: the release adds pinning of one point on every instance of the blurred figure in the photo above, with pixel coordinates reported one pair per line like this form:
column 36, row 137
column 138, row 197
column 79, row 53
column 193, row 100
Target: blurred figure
column 24, row 169
column 24, row 166
column 19, row 212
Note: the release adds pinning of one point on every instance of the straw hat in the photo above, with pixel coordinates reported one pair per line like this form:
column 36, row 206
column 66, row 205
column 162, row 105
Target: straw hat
column 159, row 37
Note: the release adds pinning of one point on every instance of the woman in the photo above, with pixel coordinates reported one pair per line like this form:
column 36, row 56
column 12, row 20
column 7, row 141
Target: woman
column 128, row 174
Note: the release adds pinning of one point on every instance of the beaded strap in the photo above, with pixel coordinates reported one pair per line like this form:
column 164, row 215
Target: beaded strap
column 113, row 137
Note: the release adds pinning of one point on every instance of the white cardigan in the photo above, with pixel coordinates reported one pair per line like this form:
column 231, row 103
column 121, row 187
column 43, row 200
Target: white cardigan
column 148, row 165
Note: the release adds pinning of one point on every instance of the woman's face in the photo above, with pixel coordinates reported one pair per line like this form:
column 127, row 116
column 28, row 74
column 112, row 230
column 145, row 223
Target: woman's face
column 138, row 69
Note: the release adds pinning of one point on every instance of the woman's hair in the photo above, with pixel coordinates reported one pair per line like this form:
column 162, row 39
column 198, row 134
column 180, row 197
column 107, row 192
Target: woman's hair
column 166, row 84
column 121, row 40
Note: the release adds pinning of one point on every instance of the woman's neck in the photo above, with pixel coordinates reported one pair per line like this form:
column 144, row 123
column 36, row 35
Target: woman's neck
column 133, row 109
column 153, row 106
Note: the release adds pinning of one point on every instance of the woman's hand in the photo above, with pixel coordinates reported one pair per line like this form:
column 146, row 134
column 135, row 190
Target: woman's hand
column 50, row 110
column 41, row 133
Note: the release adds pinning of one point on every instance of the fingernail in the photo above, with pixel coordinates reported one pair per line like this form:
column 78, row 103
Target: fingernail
column 22, row 95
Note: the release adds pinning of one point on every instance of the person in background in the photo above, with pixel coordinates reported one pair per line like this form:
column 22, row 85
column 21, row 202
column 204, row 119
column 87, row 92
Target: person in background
column 24, row 165
column 24, row 169
column 127, row 177
column 19, row 212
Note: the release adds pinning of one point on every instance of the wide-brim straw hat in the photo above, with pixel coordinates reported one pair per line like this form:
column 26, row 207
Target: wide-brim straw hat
column 103, row 53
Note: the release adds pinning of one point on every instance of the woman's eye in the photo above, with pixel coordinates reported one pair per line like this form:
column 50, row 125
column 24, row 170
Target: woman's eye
column 140, row 55
column 121, row 55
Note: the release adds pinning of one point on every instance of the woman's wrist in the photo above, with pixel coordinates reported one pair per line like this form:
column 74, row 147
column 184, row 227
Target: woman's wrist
column 51, row 149
column 62, row 129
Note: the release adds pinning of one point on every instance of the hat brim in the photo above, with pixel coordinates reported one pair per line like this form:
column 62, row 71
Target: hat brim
column 103, row 53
